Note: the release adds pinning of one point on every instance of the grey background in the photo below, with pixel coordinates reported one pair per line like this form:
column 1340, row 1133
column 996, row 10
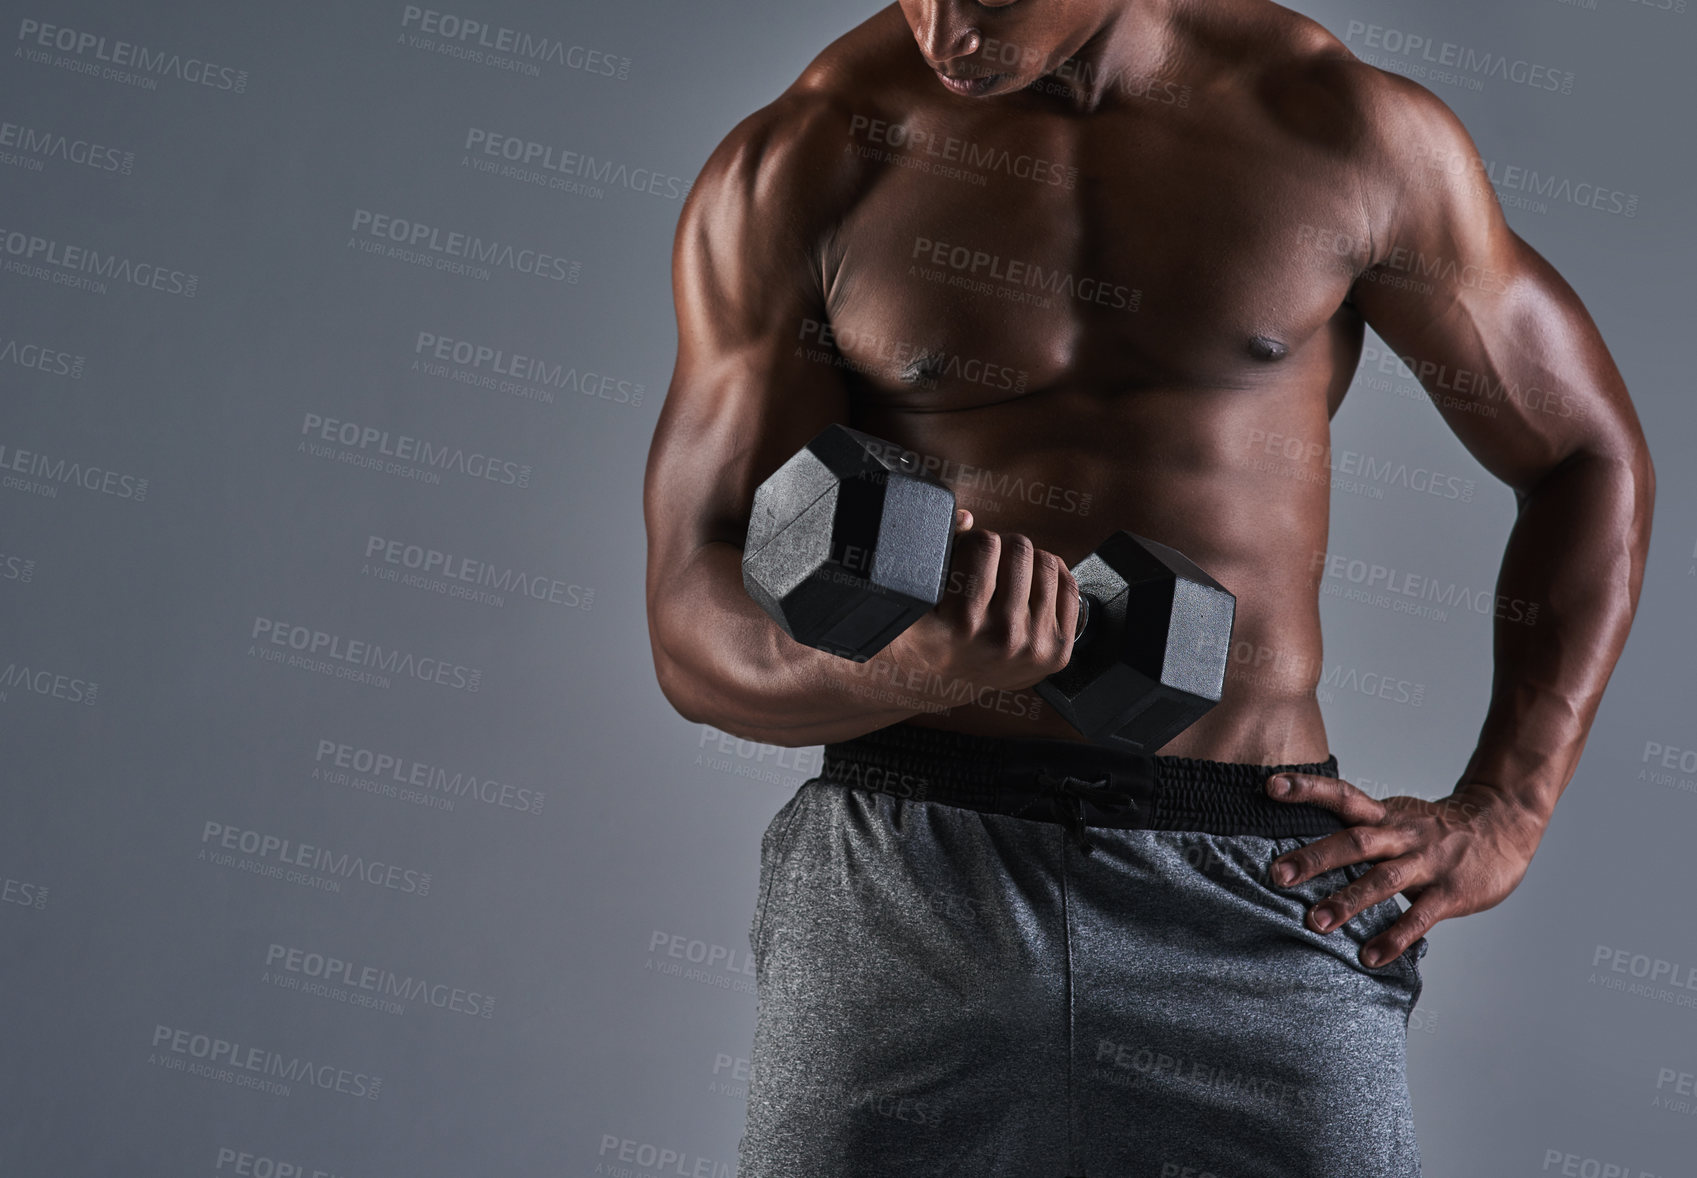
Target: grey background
column 575, row 925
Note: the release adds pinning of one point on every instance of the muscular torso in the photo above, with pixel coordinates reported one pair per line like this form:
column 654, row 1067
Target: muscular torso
column 1127, row 348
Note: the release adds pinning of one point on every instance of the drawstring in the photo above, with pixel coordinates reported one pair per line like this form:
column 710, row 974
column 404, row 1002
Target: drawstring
column 1070, row 794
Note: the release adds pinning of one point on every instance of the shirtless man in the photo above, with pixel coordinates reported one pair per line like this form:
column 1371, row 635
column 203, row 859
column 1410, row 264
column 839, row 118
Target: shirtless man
column 1111, row 248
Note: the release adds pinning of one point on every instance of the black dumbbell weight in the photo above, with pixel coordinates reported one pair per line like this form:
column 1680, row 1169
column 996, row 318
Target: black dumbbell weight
column 848, row 545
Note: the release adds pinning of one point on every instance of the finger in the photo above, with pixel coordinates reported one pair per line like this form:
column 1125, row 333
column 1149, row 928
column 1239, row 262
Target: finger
column 1054, row 610
column 974, row 573
column 1427, row 910
column 1013, row 574
column 1071, row 604
column 1069, row 583
column 1334, row 793
column 1349, row 901
column 1354, row 844
column 963, row 519
column 1045, row 581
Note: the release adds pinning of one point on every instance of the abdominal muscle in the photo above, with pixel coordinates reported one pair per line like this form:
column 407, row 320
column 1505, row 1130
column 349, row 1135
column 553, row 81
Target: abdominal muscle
column 1182, row 468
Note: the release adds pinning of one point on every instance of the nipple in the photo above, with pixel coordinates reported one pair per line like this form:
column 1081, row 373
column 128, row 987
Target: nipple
column 924, row 368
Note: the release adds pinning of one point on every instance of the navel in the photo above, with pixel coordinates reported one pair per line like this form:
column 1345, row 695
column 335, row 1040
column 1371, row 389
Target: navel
column 1265, row 347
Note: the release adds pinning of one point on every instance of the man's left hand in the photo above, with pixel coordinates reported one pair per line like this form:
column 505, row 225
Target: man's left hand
column 1451, row 857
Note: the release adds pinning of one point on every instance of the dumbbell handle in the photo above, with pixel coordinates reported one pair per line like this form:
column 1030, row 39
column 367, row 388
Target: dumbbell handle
column 1083, row 612
column 1083, row 618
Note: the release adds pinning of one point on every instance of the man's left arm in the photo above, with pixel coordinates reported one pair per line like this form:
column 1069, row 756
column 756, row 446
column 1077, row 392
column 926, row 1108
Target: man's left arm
column 1518, row 370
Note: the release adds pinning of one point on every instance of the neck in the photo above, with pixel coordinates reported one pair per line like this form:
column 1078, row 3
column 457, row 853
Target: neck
column 1119, row 55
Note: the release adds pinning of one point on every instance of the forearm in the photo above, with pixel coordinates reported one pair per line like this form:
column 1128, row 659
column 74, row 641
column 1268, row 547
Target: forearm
column 722, row 661
column 1576, row 553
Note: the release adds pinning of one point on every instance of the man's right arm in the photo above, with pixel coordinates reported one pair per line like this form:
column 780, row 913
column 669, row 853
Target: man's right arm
column 750, row 283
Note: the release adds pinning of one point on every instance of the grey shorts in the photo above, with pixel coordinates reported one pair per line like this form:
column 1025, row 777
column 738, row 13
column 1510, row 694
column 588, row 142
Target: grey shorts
column 948, row 989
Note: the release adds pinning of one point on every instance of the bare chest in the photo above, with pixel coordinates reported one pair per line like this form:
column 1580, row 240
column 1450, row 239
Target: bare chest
column 1001, row 260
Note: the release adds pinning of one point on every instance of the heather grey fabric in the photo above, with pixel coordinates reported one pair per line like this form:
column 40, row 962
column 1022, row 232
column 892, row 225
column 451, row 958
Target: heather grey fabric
column 948, row 991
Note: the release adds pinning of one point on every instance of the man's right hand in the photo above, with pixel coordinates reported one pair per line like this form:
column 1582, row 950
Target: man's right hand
column 1008, row 614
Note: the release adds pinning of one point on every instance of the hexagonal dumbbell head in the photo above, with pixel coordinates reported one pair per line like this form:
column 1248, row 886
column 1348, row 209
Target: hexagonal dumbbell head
column 848, row 543
column 1152, row 659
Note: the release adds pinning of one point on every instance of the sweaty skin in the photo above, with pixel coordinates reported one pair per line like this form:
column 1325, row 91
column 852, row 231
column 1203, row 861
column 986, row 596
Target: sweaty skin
column 1114, row 275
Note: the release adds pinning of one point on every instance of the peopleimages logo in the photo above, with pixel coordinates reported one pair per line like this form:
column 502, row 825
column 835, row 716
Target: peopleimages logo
column 501, row 47
column 1522, row 187
column 1372, row 583
column 355, row 658
column 17, row 676
column 291, row 967
column 37, row 474
column 269, row 848
column 451, row 243
column 529, row 159
column 255, row 1067
column 39, row 358
column 22, row 892
column 969, row 154
column 87, row 267
column 1374, row 683
column 35, row 36
column 373, row 445
column 967, row 262
column 38, row 144
column 921, row 365
column 404, row 771
column 1439, row 56
column 485, row 366
column 1680, row 975
column 16, row 568
column 657, row 1159
column 1389, row 472
column 246, row 1164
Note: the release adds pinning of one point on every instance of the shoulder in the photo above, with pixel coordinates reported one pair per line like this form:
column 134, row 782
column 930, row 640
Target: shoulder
column 1306, row 81
column 793, row 158
column 1313, row 86
column 1408, row 154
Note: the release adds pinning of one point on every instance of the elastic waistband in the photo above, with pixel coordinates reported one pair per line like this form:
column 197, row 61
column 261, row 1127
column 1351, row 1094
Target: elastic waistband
column 1076, row 784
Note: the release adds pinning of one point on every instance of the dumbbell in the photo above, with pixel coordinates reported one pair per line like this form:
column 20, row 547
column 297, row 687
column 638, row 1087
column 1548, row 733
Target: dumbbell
column 848, row 545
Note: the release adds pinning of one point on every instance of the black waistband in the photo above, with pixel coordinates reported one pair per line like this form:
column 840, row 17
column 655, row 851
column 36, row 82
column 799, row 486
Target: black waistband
column 1075, row 783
